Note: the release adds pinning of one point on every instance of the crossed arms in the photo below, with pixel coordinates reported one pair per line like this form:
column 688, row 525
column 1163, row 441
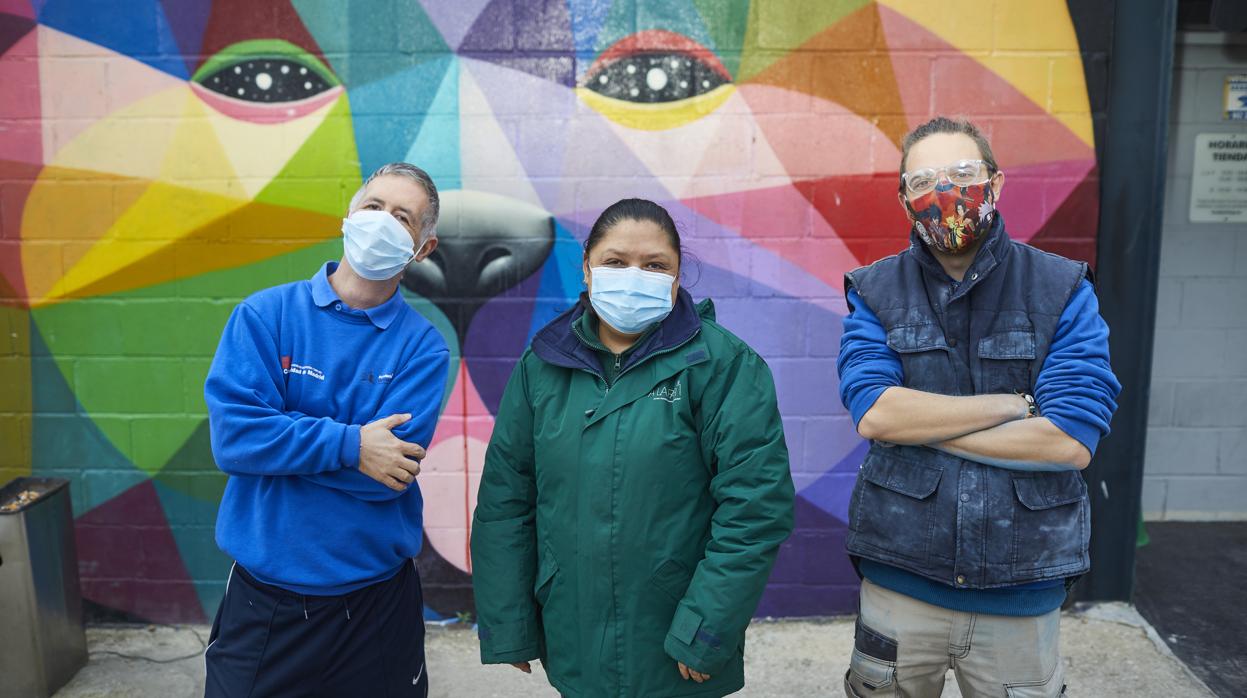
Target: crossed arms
column 988, row 429
column 254, row 434
column 1076, row 392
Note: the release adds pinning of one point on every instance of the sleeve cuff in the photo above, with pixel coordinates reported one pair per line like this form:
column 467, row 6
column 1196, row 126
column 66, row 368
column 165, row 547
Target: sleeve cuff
column 865, row 400
column 695, row 646
column 1087, row 435
column 510, row 642
column 349, row 458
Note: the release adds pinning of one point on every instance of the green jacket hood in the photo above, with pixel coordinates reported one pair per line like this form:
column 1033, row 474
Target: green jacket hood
column 557, row 343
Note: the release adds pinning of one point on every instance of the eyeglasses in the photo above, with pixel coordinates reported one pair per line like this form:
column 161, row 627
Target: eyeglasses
column 962, row 173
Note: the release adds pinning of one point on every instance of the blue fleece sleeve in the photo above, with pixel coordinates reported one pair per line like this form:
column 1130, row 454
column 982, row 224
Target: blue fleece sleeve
column 416, row 389
column 421, row 384
column 867, row 365
column 250, row 432
column 1076, row 388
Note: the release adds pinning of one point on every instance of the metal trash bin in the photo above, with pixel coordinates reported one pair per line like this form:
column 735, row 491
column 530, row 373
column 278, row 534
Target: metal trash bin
column 42, row 641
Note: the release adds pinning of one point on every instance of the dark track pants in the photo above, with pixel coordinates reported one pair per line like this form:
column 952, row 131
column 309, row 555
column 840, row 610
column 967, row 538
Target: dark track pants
column 267, row 641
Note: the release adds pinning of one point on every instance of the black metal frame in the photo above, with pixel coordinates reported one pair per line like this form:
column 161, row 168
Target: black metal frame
column 1133, row 153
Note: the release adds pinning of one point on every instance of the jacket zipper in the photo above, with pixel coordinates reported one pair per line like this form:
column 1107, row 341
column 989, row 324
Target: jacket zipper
column 619, row 375
column 660, row 352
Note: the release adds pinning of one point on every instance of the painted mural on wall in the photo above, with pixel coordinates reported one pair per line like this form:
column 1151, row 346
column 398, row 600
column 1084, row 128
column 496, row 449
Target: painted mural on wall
column 162, row 159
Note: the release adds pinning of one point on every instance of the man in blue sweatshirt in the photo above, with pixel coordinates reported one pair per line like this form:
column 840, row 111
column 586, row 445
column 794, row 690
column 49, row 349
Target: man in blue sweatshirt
column 978, row 367
column 321, row 398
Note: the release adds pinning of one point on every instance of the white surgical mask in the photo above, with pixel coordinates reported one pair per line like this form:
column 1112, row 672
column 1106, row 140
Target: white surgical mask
column 630, row 299
column 377, row 246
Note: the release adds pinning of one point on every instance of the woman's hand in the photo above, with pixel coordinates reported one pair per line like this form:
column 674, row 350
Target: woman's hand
column 688, row 673
column 523, row 666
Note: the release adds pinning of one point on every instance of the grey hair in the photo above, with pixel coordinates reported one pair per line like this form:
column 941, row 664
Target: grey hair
column 428, row 221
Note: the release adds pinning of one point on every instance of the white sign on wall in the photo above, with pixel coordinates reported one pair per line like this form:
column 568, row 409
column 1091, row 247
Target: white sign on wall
column 1235, row 98
column 1219, row 182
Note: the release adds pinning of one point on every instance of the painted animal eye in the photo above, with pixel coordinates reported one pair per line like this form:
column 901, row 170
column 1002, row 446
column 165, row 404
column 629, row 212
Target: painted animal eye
column 265, row 71
column 656, row 80
column 649, row 77
column 265, row 81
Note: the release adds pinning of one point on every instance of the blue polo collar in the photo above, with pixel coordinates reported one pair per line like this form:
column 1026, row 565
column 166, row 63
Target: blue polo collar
column 324, row 296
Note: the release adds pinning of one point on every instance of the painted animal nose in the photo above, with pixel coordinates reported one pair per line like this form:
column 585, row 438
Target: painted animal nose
column 486, row 245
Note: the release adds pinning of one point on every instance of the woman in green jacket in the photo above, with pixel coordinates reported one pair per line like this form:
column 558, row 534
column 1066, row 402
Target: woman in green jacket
column 636, row 488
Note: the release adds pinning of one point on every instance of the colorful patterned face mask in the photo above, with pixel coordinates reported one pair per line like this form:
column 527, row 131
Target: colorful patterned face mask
column 950, row 218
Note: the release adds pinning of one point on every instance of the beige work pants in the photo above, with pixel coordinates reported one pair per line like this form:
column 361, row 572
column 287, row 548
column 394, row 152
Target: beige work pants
column 904, row 647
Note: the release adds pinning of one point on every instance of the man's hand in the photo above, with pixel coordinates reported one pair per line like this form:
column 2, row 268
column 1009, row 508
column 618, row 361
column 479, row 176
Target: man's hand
column 688, row 673
column 386, row 458
column 523, row 666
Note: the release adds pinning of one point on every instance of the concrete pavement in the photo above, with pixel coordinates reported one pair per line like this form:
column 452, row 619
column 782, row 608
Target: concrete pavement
column 1109, row 651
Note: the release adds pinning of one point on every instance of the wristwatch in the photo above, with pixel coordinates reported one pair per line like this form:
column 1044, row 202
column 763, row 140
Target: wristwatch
column 1032, row 410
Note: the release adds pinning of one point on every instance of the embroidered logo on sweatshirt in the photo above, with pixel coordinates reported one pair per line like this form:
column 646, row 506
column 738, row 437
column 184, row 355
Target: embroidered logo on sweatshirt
column 373, row 377
column 288, row 367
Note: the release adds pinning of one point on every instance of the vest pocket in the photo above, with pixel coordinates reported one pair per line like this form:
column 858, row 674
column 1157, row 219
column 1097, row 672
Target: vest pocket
column 895, row 508
column 1050, row 529
column 908, row 339
column 1005, row 360
column 925, row 358
column 1012, row 344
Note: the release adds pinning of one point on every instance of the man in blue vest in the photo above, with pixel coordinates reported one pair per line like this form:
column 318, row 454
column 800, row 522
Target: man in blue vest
column 321, row 398
column 978, row 368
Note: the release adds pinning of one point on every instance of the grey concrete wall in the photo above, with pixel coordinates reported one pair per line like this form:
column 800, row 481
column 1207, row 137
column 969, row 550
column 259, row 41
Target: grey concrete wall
column 1196, row 465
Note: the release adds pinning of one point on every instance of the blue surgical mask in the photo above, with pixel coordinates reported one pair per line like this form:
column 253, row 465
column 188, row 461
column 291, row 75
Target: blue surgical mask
column 377, row 246
column 630, row 299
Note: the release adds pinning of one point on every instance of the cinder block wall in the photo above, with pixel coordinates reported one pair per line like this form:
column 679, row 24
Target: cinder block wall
column 1197, row 437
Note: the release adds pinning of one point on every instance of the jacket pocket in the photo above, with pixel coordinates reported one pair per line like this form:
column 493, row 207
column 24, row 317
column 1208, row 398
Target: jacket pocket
column 895, row 509
column 909, row 339
column 1051, row 528
column 1005, row 360
column 1010, row 344
column 672, row 578
column 925, row 356
column 546, row 569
